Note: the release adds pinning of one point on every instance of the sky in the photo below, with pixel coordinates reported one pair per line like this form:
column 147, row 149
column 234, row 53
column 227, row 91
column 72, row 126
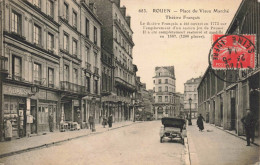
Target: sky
column 188, row 56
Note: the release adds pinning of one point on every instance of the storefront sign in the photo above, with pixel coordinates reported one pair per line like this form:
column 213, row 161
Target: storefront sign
column 13, row 90
column 114, row 98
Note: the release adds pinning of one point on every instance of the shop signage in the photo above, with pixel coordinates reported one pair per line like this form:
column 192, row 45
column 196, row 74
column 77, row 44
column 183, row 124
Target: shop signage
column 12, row 90
column 114, row 98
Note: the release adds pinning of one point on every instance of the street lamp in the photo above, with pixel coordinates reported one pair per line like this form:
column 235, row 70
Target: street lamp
column 190, row 123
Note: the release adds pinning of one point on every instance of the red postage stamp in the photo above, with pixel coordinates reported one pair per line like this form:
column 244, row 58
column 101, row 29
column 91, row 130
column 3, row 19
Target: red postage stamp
column 233, row 51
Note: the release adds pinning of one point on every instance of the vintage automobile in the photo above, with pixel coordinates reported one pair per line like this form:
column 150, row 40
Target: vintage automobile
column 173, row 127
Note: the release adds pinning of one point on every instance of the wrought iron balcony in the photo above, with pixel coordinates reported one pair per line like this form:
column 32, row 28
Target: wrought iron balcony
column 74, row 88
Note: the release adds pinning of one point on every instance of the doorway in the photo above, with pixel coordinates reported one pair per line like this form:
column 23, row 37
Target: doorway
column 233, row 114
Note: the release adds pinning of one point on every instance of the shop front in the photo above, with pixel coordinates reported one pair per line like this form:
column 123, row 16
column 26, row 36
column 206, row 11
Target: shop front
column 15, row 106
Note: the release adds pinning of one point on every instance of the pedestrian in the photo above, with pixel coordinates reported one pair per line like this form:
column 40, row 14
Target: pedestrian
column 104, row 122
column 8, row 130
column 91, row 122
column 110, row 120
column 200, row 122
column 249, row 123
column 51, row 122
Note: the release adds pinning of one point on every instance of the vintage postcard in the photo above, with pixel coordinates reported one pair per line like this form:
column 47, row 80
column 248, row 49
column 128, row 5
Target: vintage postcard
column 132, row 82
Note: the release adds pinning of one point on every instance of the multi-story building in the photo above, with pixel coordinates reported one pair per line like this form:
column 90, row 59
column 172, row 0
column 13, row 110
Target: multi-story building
column 191, row 93
column 53, row 49
column 182, row 104
column 117, row 39
column 107, row 82
column 30, row 43
column 224, row 103
column 80, row 52
column 164, row 92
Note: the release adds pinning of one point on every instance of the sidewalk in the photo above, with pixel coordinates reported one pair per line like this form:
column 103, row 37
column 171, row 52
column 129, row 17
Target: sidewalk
column 9, row 148
column 215, row 146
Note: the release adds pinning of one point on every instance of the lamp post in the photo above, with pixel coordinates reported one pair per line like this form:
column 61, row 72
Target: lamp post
column 190, row 123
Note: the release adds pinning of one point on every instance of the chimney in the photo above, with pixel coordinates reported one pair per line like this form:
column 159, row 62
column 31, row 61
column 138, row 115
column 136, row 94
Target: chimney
column 123, row 9
column 117, row 2
column 128, row 20
column 93, row 7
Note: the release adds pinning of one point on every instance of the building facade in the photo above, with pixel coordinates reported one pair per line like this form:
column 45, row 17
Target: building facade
column 117, row 39
column 164, row 92
column 191, row 92
column 224, row 103
column 53, row 49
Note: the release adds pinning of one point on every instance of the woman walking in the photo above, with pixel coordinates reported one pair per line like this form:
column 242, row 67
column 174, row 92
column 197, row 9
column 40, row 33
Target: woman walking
column 200, row 122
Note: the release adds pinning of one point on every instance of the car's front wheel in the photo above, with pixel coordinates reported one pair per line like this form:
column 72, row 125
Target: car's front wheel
column 161, row 139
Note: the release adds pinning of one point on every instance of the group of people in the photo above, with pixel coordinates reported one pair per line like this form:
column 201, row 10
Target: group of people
column 249, row 121
column 105, row 121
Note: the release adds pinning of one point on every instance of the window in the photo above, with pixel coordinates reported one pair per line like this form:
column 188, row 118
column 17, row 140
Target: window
column 50, row 8
column 75, row 75
column 66, row 42
column 50, row 41
column 166, row 81
column 66, row 11
column 154, row 81
column 96, row 86
column 88, row 84
column 74, row 19
column 166, row 88
column 74, row 47
column 96, row 61
column 36, row 3
column 37, row 72
column 37, row 34
column 87, row 28
column 66, row 73
column 195, row 96
column 166, row 98
column 87, row 55
column 116, row 34
column 50, row 77
column 159, row 98
column 16, row 22
column 160, row 89
column 95, row 35
column 160, row 81
column 154, row 89
column 17, row 66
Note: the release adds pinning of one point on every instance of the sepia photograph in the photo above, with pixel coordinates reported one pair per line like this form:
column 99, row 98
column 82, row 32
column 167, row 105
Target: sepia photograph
column 129, row 82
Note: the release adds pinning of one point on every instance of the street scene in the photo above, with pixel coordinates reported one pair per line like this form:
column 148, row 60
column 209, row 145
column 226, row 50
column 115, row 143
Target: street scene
column 129, row 82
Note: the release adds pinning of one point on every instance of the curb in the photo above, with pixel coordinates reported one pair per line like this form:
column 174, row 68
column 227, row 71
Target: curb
column 234, row 134
column 187, row 152
column 59, row 142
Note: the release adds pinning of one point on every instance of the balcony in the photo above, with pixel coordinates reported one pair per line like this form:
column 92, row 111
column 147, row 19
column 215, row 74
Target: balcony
column 74, row 88
column 120, row 82
column 126, row 34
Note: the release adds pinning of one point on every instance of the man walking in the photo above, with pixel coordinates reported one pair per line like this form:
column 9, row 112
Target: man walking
column 110, row 120
column 51, row 122
column 91, row 122
column 249, row 124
